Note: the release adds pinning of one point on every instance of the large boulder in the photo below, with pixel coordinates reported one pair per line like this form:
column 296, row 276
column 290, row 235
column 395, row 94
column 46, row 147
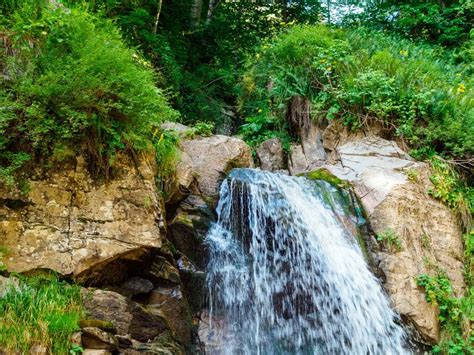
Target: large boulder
column 204, row 162
column 71, row 223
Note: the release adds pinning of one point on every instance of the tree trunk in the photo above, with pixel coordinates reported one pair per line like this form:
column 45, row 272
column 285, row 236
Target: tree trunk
column 210, row 9
column 196, row 10
column 328, row 3
column 155, row 28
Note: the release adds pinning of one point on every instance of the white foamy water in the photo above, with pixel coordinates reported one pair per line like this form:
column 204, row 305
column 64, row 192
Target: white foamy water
column 286, row 277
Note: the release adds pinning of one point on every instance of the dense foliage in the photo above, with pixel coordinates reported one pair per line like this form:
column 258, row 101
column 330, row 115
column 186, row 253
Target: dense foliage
column 69, row 81
column 361, row 77
column 100, row 76
column 40, row 312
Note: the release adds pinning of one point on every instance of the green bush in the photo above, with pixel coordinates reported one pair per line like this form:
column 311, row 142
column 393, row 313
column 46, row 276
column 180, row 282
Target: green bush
column 455, row 314
column 360, row 77
column 72, row 84
column 42, row 311
column 450, row 189
column 390, row 240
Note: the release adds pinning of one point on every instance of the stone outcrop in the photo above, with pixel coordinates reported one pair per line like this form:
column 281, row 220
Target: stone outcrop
column 132, row 326
column 204, row 163
column 428, row 232
column 308, row 155
column 71, row 224
column 392, row 188
column 271, row 155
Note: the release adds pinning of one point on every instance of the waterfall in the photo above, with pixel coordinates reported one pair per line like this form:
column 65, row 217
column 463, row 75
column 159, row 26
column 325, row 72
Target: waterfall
column 286, row 274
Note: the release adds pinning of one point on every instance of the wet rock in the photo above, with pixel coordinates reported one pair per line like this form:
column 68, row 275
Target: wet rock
column 170, row 301
column 71, row 223
column 137, row 285
column 110, row 307
column 163, row 272
column 193, row 281
column 271, row 155
column 95, row 338
column 189, row 227
column 146, row 323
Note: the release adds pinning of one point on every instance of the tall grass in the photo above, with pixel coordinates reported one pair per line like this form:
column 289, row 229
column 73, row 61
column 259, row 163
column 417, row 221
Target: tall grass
column 43, row 311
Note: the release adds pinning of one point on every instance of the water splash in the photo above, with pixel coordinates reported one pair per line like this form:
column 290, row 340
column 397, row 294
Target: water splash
column 285, row 275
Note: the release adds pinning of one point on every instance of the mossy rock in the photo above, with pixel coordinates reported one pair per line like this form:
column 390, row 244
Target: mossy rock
column 97, row 323
column 326, row 175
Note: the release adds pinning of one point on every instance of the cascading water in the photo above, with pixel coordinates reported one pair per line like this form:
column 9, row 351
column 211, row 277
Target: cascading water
column 285, row 276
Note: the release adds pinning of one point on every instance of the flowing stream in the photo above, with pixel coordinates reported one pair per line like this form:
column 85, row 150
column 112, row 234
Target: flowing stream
column 286, row 274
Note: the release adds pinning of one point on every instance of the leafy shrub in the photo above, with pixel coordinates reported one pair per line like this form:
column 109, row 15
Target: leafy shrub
column 204, row 129
column 390, row 240
column 359, row 77
column 455, row 314
column 71, row 82
column 441, row 22
column 43, row 311
column 450, row 189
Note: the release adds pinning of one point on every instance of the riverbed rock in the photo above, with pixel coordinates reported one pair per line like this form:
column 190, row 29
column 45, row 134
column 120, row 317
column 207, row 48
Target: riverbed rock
column 71, row 223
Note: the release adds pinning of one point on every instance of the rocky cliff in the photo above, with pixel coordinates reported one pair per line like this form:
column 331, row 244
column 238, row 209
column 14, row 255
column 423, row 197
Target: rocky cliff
column 424, row 234
column 137, row 251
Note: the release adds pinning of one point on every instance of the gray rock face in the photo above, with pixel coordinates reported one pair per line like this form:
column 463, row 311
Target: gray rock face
column 374, row 166
column 310, row 154
column 271, row 155
column 427, row 230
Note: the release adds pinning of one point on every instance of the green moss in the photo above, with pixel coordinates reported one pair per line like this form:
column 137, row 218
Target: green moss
column 325, row 175
column 97, row 323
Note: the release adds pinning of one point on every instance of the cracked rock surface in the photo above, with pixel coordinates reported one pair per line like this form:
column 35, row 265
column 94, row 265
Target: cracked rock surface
column 70, row 224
